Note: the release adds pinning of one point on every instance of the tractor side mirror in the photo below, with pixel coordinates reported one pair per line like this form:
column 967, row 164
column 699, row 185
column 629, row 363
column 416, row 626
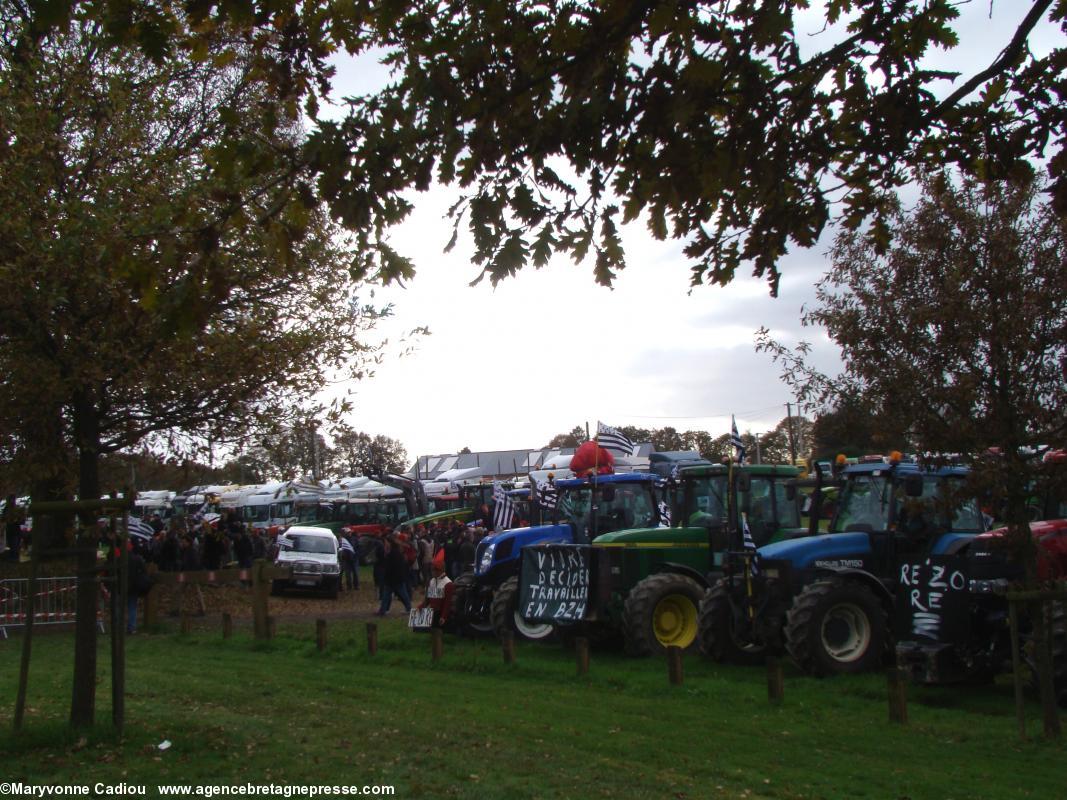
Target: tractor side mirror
column 743, row 482
column 790, row 491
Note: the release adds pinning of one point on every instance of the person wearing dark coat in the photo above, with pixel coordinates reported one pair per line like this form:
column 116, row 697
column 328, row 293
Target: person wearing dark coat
column 138, row 583
column 466, row 552
column 242, row 549
column 395, row 577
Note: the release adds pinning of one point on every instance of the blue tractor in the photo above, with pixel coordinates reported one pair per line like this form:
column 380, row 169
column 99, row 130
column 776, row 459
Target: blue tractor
column 486, row 599
column 827, row 598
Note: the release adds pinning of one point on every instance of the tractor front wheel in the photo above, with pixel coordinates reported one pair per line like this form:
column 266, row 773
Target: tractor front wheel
column 836, row 626
column 660, row 612
column 719, row 636
column 505, row 616
column 467, row 607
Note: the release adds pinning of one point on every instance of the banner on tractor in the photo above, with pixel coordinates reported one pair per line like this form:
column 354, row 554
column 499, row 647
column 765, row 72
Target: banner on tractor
column 932, row 599
column 555, row 583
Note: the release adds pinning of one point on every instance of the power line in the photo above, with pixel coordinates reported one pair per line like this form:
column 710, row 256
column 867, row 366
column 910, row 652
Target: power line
column 706, row 416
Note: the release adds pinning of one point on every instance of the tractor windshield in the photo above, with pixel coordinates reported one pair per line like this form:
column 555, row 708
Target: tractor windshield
column 863, row 504
column 869, row 503
column 705, row 498
column 616, row 507
column 768, row 509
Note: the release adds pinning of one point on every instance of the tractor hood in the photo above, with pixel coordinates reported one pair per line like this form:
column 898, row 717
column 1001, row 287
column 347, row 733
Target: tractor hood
column 506, row 547
column 804, row 552
column 654, row 537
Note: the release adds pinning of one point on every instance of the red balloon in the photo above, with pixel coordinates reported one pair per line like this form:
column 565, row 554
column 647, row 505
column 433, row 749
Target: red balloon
column 590, row 457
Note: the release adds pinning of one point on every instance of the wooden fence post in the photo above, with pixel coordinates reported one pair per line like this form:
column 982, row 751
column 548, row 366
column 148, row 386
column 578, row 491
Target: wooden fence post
column 437, row 644
column 187, row 622
column 260, row 600
column 581, row 655
column 227, row 625
column 897, row 684
column 320, row 634
column 775, row 680
column 674, row 665
column 272, row 627
column 507, row 644
column 372, row 638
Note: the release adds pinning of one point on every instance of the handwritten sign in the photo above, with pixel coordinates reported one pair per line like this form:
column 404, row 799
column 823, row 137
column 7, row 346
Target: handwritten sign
column 932, row 600
column 420, row 618
column 554, row 583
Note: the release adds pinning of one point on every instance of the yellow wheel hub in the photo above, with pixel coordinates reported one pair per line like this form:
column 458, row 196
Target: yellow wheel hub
column 674, row 621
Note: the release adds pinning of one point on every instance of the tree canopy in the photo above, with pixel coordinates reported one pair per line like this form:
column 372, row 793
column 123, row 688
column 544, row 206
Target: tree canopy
column 741, row 128
column 157, row 277
column 956, row 338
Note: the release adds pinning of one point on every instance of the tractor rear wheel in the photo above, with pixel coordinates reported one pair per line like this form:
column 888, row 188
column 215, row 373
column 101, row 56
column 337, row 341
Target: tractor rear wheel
column 504, row 614
column 718, row 634
column 661, row 611
column 836, row 626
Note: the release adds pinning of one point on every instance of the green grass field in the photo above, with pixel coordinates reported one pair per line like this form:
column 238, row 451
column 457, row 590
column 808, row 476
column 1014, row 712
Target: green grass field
column 472, row 727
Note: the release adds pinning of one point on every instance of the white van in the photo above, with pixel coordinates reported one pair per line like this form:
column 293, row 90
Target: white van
column 312, row 554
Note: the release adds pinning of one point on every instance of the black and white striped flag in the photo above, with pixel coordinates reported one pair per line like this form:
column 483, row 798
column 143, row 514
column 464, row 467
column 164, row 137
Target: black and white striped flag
column 749, row 544
column 504, row 508
column 613, row 440
column 735, row 440
column 664, row 514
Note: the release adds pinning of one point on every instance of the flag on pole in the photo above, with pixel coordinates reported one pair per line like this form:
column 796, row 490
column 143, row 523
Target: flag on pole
column 735, row 440
column 749, row 544
column 548, row 495
column 613, row 440
column 664, row 514
column 504, row 508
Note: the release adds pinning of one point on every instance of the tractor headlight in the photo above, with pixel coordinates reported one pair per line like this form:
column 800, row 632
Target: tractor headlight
column 486, row 560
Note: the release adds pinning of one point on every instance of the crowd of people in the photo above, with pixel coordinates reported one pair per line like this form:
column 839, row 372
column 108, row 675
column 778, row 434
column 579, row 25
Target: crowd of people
column 405, row 561
column 423, row 557
column 402, row 562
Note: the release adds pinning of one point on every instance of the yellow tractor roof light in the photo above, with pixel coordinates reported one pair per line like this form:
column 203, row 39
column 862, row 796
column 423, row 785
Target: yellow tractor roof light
column 896, row 457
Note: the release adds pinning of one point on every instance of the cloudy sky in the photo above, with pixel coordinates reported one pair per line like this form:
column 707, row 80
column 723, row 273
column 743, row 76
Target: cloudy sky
column 510, row 367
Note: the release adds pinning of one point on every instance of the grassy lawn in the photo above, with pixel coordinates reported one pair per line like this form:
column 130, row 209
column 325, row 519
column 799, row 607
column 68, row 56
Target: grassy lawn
column 471, row 726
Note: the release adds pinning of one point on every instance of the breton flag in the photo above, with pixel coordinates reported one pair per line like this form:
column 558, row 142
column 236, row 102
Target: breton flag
column 613, row 440
column 504, row 508
column 735, row 440
column 749, row 544
column 664, row 514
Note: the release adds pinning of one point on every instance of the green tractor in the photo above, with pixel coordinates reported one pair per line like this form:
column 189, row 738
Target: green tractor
column 648, row 583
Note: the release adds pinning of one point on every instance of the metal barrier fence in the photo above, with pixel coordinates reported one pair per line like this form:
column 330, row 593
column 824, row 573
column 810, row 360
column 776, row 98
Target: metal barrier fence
column 54, row 603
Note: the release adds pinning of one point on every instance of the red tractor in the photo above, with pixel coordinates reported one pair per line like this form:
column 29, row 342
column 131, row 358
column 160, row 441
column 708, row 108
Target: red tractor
column 952, row 614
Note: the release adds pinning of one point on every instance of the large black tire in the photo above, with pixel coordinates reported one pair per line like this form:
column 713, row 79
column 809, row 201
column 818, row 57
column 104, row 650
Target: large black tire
column 505, row 617
column 661, row 611
column 333, row 587
column 716, row 630
column 465, row 588
column 836, row 626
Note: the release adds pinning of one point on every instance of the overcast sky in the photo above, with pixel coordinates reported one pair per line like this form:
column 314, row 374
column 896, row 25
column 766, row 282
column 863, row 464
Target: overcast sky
column 511, row 367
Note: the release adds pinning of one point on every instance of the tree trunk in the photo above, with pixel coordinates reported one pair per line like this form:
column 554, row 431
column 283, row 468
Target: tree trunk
column 87, row 437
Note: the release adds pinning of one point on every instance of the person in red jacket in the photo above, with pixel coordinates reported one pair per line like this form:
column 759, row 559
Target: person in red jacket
column 439, row 591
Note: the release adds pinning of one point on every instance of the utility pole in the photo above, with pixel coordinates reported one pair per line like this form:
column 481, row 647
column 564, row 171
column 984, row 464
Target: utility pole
column 792, row 436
